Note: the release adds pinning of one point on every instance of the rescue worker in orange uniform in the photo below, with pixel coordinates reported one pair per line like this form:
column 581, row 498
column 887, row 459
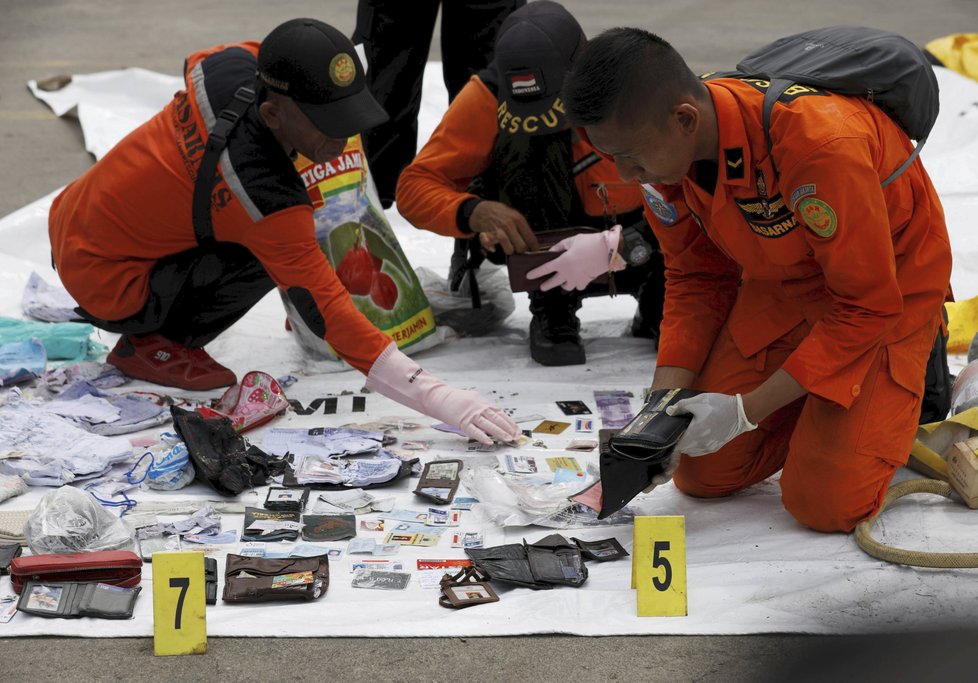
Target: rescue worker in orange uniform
column 129, row 249
column 504, row 166
column 803, row 301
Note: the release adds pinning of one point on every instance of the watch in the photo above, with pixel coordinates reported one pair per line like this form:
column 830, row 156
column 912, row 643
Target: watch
column 637, row 251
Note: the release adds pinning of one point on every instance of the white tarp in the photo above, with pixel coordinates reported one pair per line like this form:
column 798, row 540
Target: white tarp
column 751, row 567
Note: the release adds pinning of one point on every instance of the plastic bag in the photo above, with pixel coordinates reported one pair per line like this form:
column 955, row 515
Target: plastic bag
column 454, row 309
column 361, row 246
column 70, row 521
column 170, row 467
column 513, row 501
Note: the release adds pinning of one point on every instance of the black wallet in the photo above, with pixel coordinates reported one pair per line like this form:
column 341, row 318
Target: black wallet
column 631, row 457
column 541, row 565
column 7, row 555
column 653, row 432
column 282, row 525
column 67, row 600
column 291, row 499
column 210, row 580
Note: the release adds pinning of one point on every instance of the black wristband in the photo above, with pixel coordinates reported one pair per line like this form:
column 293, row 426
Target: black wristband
column 464, row 213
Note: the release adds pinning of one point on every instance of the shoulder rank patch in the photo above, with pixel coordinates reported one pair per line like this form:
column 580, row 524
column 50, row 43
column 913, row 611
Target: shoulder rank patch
column 801, row 191
column 734, row 162
column 663, row 210
column 818, row 216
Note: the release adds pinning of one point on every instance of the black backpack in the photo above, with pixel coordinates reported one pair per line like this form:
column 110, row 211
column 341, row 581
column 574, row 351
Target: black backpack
column 896, row 76
column 885, row 68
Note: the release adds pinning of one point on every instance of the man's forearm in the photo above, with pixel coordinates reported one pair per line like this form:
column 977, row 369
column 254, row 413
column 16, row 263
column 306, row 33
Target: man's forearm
column 669, row 377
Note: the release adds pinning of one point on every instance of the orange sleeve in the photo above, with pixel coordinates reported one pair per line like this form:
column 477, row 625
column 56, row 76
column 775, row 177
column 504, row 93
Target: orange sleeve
column 285, row 243
column 840, row 205
column 432, row 187
column 701, row 281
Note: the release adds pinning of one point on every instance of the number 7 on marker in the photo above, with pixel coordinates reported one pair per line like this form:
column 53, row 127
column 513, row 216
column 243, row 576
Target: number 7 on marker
column 183, row 583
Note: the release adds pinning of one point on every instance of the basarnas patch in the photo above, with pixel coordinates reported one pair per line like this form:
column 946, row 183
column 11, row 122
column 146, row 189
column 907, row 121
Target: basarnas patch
column 663, row 210
column 769, row 218
column 818, row 216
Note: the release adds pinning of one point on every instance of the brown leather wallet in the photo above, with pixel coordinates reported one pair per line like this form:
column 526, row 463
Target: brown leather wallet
column 519, row 265
column 263, row 579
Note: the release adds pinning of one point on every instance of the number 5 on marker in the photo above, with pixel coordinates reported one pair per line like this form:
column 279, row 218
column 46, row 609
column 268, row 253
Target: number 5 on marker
column 659, row 566
column 179, row 617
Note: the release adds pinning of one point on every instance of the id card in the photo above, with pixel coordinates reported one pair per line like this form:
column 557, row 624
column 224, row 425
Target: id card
column 296, row 579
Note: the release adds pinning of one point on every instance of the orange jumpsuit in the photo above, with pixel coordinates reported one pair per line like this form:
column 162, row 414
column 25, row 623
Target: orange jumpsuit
column 132, row 208
column 431, row 189
column 817, row 270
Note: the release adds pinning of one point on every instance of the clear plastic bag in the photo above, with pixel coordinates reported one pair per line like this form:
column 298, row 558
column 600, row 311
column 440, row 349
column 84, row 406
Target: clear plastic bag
column 508, row 500
column 454, row 309
column 71, row 521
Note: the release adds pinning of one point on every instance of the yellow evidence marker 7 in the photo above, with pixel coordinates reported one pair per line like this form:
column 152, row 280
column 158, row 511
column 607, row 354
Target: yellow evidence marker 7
column 659, row 566
column 179, row 616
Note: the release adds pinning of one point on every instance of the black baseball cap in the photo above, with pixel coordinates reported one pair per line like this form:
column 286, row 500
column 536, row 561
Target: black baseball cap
column 317, row 67
column 534, row 50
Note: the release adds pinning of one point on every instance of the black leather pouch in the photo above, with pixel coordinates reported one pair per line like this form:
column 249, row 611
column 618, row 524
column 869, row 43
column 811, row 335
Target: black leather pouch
column 542, row 565
column 67, row 600
column 508, row 564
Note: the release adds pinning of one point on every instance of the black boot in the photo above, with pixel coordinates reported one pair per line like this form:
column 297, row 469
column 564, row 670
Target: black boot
column 555, row 331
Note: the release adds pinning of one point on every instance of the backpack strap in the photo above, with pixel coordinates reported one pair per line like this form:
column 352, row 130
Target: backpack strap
column 774, row 91
column 217, row 140
column 906, row 164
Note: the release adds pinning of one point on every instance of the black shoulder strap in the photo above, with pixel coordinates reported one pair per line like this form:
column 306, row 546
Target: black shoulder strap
column 217, row 140
column 774, row 91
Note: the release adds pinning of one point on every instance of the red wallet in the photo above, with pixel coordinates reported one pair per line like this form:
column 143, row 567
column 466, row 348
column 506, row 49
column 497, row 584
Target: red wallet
column 117, row 567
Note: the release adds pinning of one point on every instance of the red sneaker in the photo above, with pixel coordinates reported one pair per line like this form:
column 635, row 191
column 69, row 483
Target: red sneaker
column 161, row 361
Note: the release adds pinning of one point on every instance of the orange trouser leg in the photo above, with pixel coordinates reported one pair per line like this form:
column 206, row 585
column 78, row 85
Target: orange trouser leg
column 756, row 455
column 840, row 462
column 837, row 462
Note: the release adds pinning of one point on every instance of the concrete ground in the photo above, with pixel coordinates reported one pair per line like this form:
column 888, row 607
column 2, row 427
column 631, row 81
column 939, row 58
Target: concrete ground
column 39, row 153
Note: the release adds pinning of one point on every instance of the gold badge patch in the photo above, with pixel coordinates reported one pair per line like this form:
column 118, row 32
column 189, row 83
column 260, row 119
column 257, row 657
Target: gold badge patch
column 818, row 216
column 342, row 69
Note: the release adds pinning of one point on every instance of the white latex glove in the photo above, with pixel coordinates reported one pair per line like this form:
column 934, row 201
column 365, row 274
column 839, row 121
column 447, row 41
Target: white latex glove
column 398, row 377
column 585, row 257
column 717, row 418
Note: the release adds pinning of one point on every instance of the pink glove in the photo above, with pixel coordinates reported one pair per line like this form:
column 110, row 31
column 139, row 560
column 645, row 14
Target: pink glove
column 585, row 257
column 401, row 379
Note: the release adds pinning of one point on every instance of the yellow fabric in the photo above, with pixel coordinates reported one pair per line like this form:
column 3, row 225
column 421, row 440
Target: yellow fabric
column 962, row 324
column 935, row 440
column 958, row 51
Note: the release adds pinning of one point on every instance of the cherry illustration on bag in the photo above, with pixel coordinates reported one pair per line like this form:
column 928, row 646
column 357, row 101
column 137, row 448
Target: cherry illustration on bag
column 357, row 269
column 383, row 292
